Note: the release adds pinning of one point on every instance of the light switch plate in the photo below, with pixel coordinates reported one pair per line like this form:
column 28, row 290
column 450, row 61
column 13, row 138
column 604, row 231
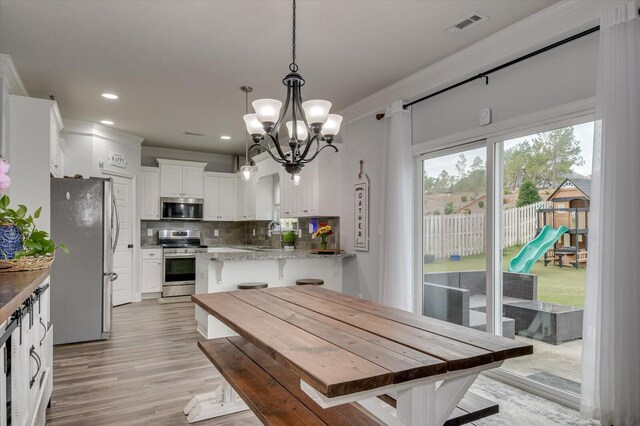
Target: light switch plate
column 215, row 233
column 254, row 232
column 149, row 232
column 311, row 228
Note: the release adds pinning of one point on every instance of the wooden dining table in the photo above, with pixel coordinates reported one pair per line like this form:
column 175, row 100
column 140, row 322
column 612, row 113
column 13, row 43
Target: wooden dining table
column 345, row 349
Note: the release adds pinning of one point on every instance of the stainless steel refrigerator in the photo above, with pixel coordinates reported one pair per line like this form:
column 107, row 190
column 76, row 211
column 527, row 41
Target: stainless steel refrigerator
column 84, row 217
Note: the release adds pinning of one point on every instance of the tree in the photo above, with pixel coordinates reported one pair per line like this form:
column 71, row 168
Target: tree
column 544, row 160
column 528, row 194
column 448, row 209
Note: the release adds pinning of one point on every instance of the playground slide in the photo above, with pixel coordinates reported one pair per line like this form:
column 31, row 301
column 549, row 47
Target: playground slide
column 523, row 262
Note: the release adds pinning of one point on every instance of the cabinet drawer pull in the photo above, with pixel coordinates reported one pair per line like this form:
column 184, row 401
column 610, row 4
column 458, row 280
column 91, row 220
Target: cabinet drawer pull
column 45, row 331
column 34, row 355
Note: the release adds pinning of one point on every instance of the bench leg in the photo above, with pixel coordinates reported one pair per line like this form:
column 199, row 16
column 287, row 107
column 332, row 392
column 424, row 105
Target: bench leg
column 224, row 400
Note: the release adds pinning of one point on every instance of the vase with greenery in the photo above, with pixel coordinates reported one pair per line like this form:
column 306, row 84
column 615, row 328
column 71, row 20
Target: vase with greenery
column 22, row 245
column 289, row 239
column 324, row 230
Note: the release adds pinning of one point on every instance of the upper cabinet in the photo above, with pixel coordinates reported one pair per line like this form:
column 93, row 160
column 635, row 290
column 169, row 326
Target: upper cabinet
column 246, row 199
column 219, row 196
column 181, row 179
column 149, row 193
column 316, row 195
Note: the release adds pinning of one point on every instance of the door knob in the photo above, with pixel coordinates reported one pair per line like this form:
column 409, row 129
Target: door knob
column 130, row 246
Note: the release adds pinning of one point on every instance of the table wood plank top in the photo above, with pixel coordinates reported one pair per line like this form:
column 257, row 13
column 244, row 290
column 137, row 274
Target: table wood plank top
column 341, row 344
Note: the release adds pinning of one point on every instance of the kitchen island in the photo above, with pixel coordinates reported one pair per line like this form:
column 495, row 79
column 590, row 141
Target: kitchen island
column 222, row 270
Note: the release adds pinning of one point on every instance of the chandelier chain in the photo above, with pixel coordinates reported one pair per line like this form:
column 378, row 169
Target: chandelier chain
column 293, row 67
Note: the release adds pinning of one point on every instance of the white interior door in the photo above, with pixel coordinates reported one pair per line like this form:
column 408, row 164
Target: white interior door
column 123, row 256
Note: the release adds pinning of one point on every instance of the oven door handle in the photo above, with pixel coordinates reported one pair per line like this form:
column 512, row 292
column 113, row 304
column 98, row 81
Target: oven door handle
column 178, row 256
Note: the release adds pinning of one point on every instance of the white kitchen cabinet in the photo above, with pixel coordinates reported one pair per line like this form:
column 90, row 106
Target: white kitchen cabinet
column 58, row 149
column 219, row 196
column 149, row 193
column 246, row 199
column 152, row 270
column 181, row 179
column 32, row 363
column 315, row 195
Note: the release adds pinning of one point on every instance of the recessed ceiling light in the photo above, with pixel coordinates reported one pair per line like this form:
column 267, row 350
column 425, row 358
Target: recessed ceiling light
column 110, row 96
column 226, row 138
column 107, row 122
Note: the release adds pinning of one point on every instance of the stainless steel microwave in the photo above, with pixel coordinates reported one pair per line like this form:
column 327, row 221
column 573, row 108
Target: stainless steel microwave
column 181, row 208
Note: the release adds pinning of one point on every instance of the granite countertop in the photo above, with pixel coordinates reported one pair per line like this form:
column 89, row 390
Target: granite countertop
column 273, row 255
column 16, row 287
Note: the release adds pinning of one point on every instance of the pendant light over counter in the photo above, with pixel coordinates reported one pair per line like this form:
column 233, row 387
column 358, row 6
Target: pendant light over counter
column 311, row 128
column 247, row 171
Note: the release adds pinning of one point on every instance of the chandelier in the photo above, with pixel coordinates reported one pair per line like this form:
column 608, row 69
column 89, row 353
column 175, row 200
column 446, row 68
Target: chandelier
column 311, row 128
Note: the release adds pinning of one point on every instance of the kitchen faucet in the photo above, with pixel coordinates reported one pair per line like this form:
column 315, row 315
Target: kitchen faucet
column 275, row 227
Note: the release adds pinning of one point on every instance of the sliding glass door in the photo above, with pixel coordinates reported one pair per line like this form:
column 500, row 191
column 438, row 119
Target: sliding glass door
column 545, row 238
column 454, row 206
column 505, row 235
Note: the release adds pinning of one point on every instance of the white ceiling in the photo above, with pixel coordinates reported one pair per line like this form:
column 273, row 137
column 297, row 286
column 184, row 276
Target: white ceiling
column 178, row 65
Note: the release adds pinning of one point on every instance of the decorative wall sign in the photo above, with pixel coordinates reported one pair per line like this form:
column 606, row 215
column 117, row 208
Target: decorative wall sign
column 361, row 211
column 117, row 160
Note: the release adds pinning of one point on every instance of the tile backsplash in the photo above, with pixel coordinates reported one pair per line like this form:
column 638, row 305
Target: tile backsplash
column 241, row 233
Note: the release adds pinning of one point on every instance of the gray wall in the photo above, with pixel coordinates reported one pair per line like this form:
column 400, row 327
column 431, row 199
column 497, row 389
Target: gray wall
column 362, row 140
column 560, row 76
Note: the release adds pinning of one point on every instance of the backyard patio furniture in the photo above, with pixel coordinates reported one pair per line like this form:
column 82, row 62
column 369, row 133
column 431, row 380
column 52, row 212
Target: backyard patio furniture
column 544, row 321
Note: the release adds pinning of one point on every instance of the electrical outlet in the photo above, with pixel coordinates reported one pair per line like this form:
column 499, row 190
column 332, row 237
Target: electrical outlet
column 299, row 233
column 215, row 233
column 149, row 232
column 254, row 232
column 311, row 228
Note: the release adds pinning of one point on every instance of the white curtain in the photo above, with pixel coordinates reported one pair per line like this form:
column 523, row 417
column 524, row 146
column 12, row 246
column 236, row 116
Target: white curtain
column 396, row 263
column 611, row 337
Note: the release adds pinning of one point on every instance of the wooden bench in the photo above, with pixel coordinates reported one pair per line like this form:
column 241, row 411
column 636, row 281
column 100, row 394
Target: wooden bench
column 274, row 395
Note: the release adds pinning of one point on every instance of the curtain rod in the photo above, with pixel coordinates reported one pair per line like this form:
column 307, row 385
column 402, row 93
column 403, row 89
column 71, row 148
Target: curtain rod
column 485, row 74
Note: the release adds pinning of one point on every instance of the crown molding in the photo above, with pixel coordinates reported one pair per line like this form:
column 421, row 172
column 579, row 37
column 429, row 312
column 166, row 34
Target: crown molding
column 88, row 128
column 549, row 25
column 9, row 72
column 183, row 155
column 167, row 161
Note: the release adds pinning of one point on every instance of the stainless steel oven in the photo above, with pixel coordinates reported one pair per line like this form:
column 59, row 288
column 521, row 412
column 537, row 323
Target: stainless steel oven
column 180, row 249
column 181, row 208
column 179, row 274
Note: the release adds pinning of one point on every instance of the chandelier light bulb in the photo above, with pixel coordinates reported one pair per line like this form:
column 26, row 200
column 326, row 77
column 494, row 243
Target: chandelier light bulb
column 332, row 125
column 246, row 172
column 301, row 130
column 295, row 179
column 254, row 127
column 267, row 110
column 316, row 111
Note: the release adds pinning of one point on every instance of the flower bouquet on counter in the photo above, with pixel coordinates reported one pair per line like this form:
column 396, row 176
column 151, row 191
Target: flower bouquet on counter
column 324, row 230
column 23, row 247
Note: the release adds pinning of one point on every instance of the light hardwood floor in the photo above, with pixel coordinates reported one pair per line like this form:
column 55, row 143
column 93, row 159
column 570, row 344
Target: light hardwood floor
column 143, row 375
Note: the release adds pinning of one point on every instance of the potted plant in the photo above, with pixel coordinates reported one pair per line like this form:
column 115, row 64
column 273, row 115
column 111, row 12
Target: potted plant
column 289, row 239
column 324, row 230
column 23, row 247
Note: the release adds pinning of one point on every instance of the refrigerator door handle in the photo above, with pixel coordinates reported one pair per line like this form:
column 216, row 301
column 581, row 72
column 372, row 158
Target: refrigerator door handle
column 114, row 276
column 117, row 216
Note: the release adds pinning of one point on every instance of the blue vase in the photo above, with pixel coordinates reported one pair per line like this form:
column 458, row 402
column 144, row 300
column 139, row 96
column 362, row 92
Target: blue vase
column 10, row 241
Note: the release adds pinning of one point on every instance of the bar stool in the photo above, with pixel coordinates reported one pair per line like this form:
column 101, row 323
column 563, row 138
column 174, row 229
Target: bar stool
column 252, row 286
column 309, row 281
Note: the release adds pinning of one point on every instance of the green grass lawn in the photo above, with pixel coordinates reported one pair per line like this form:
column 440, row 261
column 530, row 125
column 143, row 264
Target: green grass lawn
column 558, row 285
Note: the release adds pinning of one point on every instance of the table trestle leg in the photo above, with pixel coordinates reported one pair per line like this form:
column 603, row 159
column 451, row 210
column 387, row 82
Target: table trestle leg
column 224, row 400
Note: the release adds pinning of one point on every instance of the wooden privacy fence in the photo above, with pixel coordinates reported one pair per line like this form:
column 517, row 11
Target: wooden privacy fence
column 464, row 234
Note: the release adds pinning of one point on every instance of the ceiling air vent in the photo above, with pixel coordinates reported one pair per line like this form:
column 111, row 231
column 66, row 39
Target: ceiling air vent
column 193, row 134
column 470, row 20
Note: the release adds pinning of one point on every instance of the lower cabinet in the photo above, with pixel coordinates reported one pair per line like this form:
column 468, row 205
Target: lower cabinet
column 30, row 352
column 152, row 270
